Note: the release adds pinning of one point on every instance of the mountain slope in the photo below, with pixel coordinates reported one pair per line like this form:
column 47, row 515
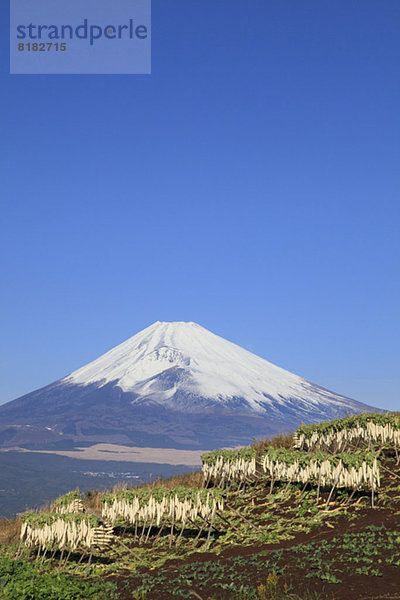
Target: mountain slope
column 172, row 383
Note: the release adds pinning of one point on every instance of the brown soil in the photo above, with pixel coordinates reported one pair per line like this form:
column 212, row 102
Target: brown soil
column 354, row 587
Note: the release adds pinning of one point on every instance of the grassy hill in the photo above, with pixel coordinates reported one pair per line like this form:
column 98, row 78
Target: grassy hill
column 269, row 538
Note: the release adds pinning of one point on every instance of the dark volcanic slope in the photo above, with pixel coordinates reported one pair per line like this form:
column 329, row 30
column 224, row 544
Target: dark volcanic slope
column 87, row 413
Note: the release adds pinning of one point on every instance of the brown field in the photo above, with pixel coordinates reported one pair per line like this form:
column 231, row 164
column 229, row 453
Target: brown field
column 170, row 456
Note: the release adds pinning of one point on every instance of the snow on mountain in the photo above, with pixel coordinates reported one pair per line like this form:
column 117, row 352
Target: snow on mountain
column 173, row 385
column 171, row 363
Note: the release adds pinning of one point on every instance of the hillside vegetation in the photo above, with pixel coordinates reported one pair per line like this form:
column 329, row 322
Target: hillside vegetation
column 309, row 516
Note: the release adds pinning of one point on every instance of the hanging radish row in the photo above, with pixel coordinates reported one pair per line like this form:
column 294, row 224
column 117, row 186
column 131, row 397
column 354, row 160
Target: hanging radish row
column 59, row 531
column 353, row 471
column 360, row 430
column 161, row 504
column 224, row 467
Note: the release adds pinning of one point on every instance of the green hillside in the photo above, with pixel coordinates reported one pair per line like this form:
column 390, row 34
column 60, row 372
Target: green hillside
column 313, row 516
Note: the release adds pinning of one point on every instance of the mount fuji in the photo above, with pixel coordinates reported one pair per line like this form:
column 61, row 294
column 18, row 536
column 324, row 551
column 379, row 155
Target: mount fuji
column 171, row 385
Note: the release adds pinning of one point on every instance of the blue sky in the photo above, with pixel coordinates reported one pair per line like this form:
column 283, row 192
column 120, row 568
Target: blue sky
column 250, row 184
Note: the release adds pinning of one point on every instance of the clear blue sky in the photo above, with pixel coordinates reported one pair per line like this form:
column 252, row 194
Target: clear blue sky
column 250, row 184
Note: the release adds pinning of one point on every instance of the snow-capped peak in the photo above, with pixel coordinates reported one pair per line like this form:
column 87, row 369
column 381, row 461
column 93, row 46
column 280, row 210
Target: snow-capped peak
column 171, row 359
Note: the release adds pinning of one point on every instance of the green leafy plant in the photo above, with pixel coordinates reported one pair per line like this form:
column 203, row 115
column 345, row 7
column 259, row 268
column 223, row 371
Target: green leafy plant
column 21, row 580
